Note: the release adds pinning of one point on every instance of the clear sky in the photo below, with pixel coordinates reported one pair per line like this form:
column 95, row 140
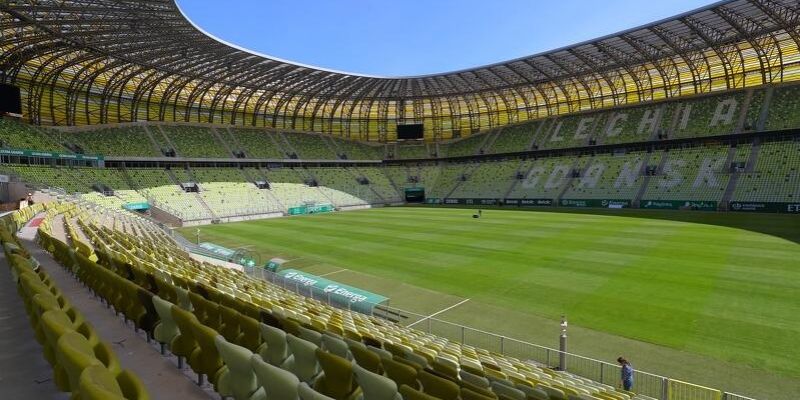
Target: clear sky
column 415, row 37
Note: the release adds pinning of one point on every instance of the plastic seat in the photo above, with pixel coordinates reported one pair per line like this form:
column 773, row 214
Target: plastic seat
column 239, row 379
column 43, row 302
column 467, row 394
column 208, row 361
column 409, row 393
column 304, row 359
column 446, row 369
column 553, row 393
column 184, row 345
column 276, row 351
column 400, row 373
column 336, row 346
column 54, row 324
column 166, row 330
column 166, row 291
column 98, row 383
column 505, row 392
column 307, row 393
column 473, row 379
column 183, row 298
column 533, row 393
column 367, row 359
column 438, row 387
column 74, row 354
column 374, row 386
column 310, row 335
column 336, row 380
column 147, row 321
column 229, row 327
column 278, row 384
column 250, row 333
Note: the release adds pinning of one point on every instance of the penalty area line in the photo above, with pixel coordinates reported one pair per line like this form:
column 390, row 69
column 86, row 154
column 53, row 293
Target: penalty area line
column 438, row 312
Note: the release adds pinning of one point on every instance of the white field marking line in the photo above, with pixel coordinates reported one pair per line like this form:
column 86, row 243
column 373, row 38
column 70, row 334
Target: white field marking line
column 438, row 312
column 334, row 272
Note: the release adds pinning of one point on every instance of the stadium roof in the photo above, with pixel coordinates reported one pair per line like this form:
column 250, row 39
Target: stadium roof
column 101, row 61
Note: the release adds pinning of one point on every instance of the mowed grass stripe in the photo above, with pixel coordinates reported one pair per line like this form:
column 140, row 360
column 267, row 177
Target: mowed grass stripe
column 724, row 292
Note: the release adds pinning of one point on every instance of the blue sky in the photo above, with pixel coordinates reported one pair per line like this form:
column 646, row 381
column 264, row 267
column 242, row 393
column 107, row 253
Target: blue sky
column 415, row 37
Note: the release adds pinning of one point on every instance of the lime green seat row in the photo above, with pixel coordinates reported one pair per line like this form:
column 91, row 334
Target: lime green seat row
column 70, row 344
column 117, row 141
column 19, row 136
column 194, row 141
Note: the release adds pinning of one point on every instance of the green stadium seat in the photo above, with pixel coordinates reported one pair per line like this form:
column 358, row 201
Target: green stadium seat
column 374, row 386
column 304, row 362
column 278, row 384
column 239, row 377
column 166, row 330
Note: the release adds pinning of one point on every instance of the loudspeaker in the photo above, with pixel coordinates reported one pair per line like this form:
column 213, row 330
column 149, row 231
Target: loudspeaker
column 10, row 99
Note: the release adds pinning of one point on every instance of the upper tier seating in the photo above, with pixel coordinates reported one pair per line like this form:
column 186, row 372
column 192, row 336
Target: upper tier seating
column 411, row 151
column 515, row 138
column 358, row 150
column 310, row 146
column 783, row 108
column 15, row 135
column 568, row 131
column 775, row 177
column 634, row 124
column 121, row 141
column 468, row 146
column 258, row 143
column 195, row 141
column 285, row 175
column 698, row 173
column 707, row 116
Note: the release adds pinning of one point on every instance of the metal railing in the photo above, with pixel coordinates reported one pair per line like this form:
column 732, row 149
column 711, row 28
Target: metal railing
column 645, row 383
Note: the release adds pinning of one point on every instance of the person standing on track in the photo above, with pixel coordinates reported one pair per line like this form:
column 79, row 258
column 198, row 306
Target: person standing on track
column 626, row 378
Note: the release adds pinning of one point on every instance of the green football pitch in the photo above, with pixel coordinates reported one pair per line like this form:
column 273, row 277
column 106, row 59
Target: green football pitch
column 709, row 298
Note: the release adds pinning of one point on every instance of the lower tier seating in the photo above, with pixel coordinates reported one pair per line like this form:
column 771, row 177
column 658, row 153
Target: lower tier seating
column 82, row 363
column 254, row 340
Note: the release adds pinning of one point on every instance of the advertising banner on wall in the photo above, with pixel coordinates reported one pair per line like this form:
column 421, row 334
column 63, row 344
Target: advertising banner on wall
column 597, row 203
column 326, row 289
column 45, row 154
column 476, row 202
column 679, row 205
column 765, row 207
column 529, row 202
